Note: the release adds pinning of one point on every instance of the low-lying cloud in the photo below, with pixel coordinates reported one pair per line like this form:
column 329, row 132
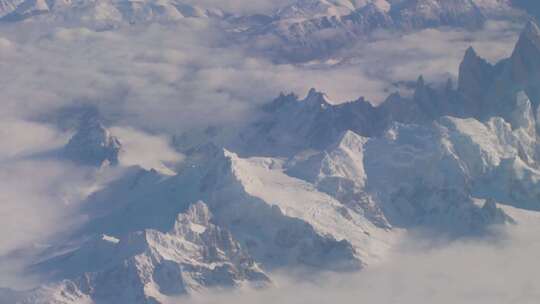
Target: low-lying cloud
column 41, row 194
column 169, row 78
column 473, row 271
column 37, row 193
column 147, row 151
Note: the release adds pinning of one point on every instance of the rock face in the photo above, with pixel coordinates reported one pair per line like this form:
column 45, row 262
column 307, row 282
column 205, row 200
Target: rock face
column 475, row 76
column 487, row 90
column 92, row 144
column 291, row 124
column 524, row 64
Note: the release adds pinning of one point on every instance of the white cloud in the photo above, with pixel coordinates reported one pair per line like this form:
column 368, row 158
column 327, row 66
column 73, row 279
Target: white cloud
column 21, row 138
column 473, row 271
column 37, row 203
column 40, row 195
column 146, row 150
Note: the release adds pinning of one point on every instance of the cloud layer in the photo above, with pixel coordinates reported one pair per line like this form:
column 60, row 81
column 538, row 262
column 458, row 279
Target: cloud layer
column 468, row 271
column 186, row 75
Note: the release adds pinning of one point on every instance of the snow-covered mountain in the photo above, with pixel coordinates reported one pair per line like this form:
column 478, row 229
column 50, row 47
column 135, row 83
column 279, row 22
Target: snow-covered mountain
column 290, row 124
column 102, row 14
column 301, row 31
column 149, row 266
column 311, row 29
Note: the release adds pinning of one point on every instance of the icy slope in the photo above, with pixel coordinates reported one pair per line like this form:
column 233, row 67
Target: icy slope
column 411, row 177
column 339, row 171
column 264, row 180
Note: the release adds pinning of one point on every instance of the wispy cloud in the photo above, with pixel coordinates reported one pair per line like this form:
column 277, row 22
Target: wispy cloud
column 171, row 78
column 148, row 151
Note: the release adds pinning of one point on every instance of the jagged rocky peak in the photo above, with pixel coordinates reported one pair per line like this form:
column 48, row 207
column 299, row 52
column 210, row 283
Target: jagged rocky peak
column 525, row 59
column 92, row 144
column 279, row 102
column 529, row 40
column 217, row 245
column 420, row 83
column 197, row 213
column 313, row 98
column 531, row 33
column 291, row 124
column 426, row 99
column 152, row 265
column 316, row 98
column 475, row 74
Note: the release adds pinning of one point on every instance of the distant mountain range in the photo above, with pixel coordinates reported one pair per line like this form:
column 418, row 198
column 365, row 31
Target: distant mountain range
column 301, row 31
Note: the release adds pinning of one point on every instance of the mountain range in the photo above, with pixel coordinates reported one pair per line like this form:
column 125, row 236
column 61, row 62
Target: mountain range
column 301, row 31
column 309, row 184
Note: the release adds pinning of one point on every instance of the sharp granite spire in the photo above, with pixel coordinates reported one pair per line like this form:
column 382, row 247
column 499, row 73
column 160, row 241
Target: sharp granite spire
column 92, row 143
